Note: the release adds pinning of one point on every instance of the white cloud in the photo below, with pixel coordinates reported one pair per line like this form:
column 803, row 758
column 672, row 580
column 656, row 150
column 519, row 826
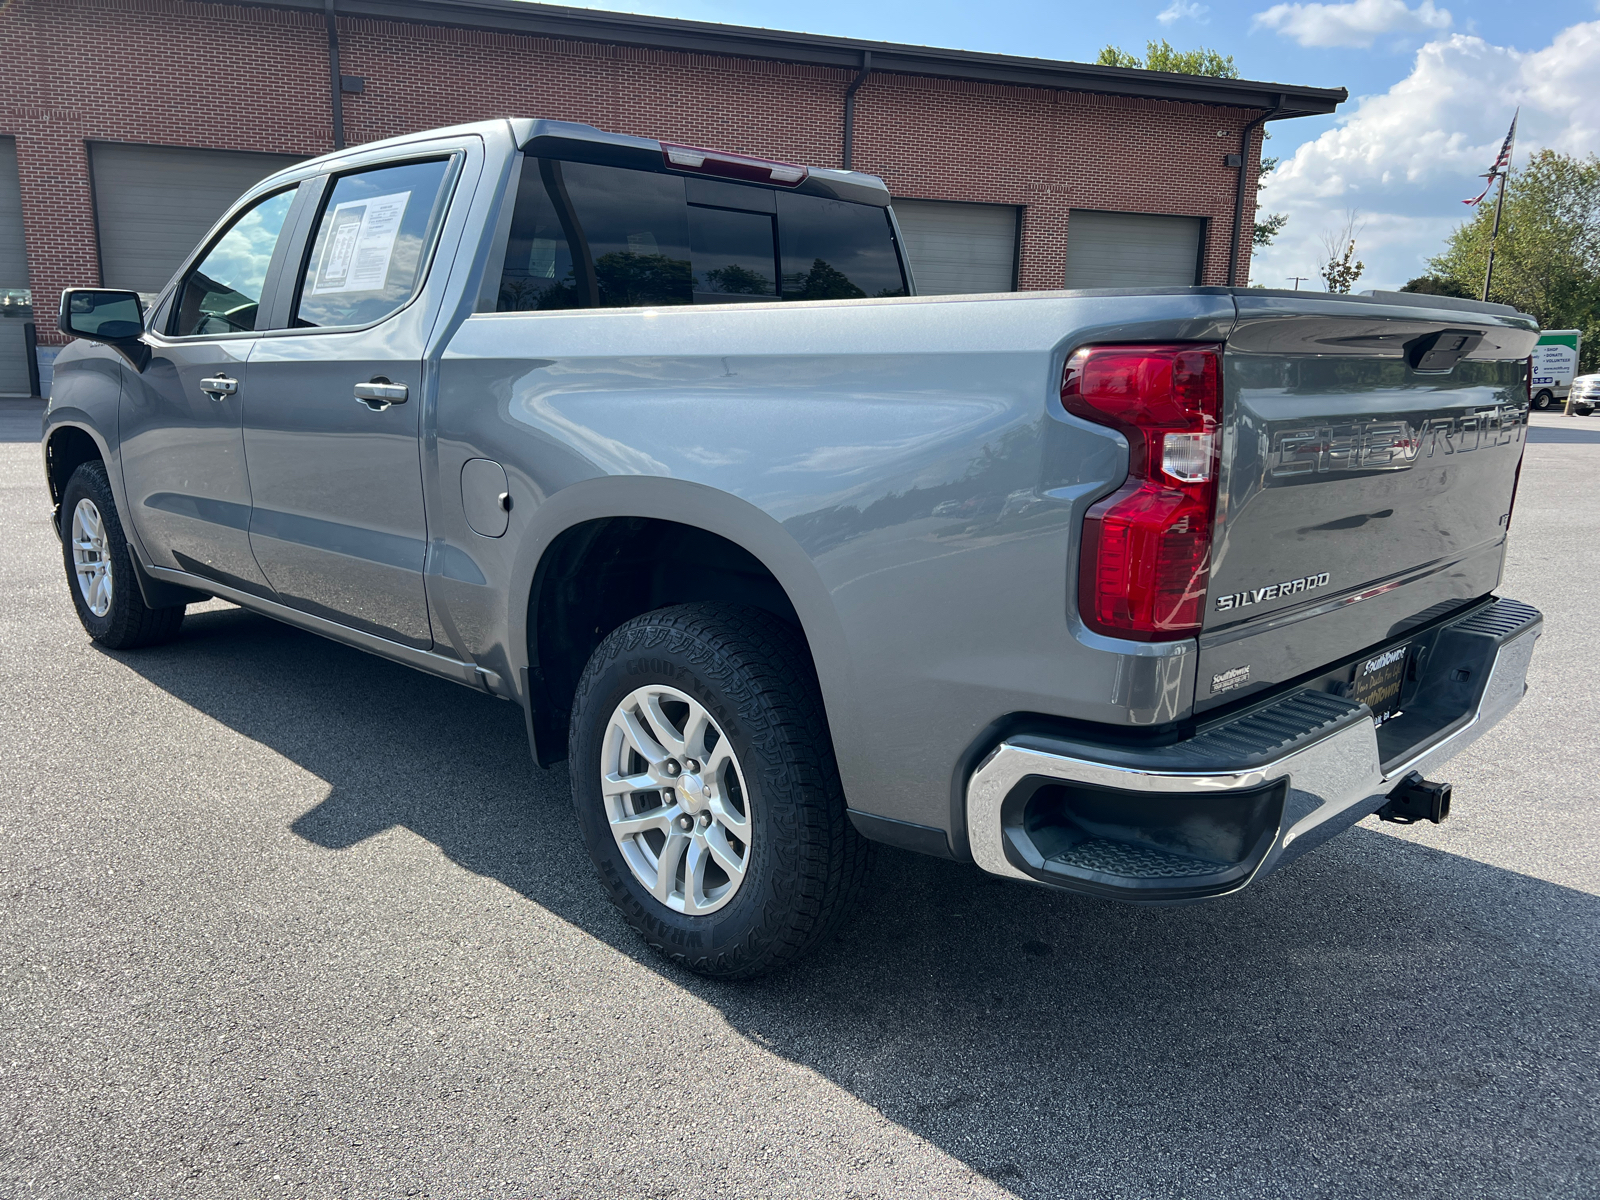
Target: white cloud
column 1180, row 10
column 1358, row 23
column 1406, row 159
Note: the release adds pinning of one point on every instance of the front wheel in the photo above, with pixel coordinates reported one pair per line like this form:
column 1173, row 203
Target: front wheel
column 707, row 791
column 99, row 571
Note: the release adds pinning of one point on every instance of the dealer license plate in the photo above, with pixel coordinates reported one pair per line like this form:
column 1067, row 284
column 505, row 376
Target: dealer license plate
column 1378, row 679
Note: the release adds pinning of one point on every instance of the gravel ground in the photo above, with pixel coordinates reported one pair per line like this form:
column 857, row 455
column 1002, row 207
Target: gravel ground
column 280, row 919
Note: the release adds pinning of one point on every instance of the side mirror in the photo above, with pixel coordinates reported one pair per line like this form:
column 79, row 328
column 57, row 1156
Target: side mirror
column 103, row 315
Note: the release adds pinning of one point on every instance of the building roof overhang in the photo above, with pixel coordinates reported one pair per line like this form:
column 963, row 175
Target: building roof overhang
column 1281, row 100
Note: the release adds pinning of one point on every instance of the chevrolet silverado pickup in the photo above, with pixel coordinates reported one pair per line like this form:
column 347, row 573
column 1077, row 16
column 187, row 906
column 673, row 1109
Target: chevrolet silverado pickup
column 1139, row 593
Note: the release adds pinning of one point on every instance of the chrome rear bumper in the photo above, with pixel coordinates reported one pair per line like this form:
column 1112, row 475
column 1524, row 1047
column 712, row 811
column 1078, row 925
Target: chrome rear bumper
column 1204, row 817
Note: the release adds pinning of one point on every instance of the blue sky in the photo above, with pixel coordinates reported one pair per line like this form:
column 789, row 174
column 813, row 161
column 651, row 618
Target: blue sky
column 1432, row 86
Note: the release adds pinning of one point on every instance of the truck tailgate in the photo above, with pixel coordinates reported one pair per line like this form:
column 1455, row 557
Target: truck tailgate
column 1370, row 453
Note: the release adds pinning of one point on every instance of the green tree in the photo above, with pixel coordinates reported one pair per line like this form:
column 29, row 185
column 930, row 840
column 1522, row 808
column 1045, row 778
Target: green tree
column 823, row 282
column 1160, row 56
column 1340, row 272
column 735, row 280
column 1433, row 285
column 628, row 279
column 1547, row 258
column 1272, row 226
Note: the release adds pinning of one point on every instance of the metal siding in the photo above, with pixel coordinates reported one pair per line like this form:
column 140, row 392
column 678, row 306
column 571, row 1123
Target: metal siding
column 1106, row 249
column 13, row 273
column 153, row 204
column 958, row 248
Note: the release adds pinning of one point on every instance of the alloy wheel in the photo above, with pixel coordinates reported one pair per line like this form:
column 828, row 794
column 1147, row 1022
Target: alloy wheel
column 91, row 557
column 676, row 800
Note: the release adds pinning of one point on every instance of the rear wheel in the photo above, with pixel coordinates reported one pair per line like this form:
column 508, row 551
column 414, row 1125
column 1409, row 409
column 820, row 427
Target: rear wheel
column 707, row 791
column 1544, row 399
column 99, row 571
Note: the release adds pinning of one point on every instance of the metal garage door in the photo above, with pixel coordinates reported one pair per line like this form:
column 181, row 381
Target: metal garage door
column 959, row 247
column 153, row 204
column 1107, row 249
column 13, row 276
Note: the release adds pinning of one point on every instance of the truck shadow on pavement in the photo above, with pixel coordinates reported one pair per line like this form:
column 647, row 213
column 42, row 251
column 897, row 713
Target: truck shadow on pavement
column 1380, row 1018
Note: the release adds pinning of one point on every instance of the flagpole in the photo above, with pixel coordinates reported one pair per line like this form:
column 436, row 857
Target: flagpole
column 1500, row 202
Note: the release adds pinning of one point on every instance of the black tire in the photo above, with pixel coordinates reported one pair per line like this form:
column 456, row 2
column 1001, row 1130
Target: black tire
column 127, row 622
column 806, row 864
column 1544, row 400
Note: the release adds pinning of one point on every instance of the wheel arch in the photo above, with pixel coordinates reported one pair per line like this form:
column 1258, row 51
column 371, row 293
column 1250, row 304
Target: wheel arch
column 67, row 446
column 610, row 549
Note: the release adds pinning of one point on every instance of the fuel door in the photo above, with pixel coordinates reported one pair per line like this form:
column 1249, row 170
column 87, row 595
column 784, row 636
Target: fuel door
column 485, row 497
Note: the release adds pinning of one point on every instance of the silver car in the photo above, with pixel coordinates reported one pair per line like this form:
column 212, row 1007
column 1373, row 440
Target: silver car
column 1585, row 396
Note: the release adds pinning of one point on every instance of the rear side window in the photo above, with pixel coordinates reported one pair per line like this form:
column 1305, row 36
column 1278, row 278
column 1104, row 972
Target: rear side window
column 592, row 236
column 637, row 231
column 836, row 251
column 372, row 239
column 539, row 271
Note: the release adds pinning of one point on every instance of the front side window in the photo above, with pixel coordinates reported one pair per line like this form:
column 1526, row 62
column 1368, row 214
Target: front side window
column 587, row 236
column 372, row 240
column 222, row 293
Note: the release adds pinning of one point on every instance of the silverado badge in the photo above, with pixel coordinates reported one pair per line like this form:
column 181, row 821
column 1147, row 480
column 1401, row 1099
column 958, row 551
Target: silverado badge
column 1273, row 591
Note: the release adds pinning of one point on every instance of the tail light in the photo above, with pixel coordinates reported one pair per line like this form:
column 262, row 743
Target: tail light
column 732, row 166
column 1147, row 547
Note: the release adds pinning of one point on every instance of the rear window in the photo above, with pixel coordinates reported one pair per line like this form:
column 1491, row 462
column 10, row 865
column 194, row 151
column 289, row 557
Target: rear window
column 590, row 236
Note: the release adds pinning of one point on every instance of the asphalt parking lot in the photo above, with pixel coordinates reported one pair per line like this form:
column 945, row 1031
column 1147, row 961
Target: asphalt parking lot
column 280, row 919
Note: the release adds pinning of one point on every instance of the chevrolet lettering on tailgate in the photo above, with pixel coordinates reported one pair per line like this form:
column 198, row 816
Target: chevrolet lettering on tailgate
column 1390, row 445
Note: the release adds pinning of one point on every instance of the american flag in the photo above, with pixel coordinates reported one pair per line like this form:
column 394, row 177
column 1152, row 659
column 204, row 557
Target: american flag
column 1502, row 163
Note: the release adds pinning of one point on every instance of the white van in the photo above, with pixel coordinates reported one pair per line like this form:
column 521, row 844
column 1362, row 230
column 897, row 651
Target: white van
column 1555, row 362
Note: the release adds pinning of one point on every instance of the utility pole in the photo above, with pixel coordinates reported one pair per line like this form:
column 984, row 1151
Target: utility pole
column 1298, row 279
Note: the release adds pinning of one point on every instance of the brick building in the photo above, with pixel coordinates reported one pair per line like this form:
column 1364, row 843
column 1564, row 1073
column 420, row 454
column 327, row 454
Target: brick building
column 128, row 126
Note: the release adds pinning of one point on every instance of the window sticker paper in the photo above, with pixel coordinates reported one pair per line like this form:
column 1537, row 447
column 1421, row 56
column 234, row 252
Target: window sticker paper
column 361, row 239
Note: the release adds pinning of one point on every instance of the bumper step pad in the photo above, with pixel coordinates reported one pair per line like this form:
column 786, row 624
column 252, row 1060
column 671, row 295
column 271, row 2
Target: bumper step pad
column 1125, row 860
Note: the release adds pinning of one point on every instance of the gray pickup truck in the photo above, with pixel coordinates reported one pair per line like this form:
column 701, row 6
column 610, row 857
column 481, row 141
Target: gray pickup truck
column 1138, row 594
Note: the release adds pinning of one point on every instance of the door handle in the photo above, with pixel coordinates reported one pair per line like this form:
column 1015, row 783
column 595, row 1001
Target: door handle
column 218, row 386
column 379, row 394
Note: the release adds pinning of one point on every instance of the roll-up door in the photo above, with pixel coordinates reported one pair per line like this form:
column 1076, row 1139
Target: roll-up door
column 14, row 312
column 955, row 247
column 153, row 204
column 1106, row 249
